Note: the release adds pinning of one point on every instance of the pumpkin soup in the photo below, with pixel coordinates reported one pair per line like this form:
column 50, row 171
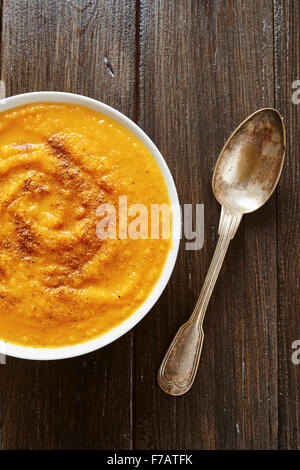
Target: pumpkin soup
column 60, row 284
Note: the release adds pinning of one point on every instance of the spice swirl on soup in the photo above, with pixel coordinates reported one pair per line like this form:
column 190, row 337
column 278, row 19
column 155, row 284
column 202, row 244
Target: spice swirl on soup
column 60, row 283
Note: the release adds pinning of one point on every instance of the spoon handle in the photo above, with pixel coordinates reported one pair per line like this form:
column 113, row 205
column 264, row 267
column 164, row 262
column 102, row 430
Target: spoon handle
column 179, row 366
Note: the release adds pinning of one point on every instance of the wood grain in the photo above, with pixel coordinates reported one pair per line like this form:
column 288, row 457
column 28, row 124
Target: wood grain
column 287, row 62
column 83, row 402
column 204, row 66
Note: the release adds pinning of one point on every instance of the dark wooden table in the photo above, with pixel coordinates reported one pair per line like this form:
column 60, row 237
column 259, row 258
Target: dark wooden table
column 187, row 72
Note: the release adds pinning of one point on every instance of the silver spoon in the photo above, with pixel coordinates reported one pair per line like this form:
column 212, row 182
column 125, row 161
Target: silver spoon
column 245, row 175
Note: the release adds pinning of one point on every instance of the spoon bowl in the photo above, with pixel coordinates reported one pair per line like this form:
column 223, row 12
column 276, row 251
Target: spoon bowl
column 250, row 162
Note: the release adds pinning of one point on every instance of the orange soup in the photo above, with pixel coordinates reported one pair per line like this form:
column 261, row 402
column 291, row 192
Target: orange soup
column 60, row 284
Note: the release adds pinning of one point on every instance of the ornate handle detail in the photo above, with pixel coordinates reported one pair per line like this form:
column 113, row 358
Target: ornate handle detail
column 178, row 369
column 179, row 366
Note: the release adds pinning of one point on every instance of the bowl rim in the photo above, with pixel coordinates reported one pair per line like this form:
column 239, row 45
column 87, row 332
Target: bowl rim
column 64, row 352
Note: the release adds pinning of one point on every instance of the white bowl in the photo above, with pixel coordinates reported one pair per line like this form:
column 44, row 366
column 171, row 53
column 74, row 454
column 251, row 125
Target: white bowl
column 115, row 333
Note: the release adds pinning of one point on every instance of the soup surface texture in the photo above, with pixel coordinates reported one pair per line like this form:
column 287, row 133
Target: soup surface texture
column 60, row 284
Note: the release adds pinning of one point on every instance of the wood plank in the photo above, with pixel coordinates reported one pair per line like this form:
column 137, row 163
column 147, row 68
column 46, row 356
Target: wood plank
column 82, row 402
column 204, row 66
column 287, row 61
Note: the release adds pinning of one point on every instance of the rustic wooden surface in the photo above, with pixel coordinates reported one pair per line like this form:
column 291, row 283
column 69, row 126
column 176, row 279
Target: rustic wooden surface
column 187, row 72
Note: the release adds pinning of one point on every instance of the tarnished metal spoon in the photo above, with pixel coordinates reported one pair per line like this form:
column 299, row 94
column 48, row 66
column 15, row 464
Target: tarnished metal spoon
column 244, row 178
